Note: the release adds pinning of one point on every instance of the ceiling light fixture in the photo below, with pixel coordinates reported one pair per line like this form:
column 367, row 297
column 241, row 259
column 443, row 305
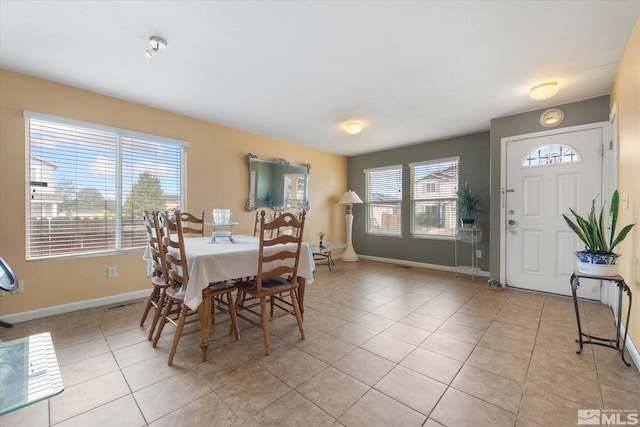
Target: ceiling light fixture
column 156, row 44
column 353, row 128
column 544, row 90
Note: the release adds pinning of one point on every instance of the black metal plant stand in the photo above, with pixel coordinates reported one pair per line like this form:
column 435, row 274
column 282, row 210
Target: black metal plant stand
column 613, row 343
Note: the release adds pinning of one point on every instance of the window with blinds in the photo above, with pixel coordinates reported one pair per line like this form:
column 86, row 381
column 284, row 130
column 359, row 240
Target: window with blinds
column 384, row 200
column 433, row 198
column 88, row 186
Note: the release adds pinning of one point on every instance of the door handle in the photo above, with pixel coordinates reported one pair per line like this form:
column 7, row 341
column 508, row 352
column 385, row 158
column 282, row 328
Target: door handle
column 504, row 192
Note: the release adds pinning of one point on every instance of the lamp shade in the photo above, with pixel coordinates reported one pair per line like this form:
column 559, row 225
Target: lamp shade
column 349, row 198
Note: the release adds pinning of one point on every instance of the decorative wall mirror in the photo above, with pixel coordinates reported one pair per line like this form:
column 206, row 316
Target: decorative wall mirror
column 277, row 184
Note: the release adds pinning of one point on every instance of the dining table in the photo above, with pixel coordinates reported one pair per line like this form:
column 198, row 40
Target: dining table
column 212, row 261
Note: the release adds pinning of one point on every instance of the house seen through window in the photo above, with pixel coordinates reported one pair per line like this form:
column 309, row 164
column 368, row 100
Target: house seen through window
column 89, row 185
column 433, row 198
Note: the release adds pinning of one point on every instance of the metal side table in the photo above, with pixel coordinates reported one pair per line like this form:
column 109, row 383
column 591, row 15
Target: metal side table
column 323, row 252
column 613, row 343
column 471, row 235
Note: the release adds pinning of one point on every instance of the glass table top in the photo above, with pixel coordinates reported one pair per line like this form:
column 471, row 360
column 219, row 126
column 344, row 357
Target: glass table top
column 29, row 372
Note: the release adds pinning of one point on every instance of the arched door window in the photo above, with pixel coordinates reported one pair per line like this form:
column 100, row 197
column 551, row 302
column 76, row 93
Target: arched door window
column 551, row 155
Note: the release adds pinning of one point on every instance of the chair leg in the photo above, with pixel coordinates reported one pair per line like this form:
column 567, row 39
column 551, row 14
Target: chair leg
column 296, row 308
column 265, row 325
column 152, row 297
column 232, row 313
column 156, row 315
column 176, row 337
column 239, row 297
column 272, row 305
column 163, row 320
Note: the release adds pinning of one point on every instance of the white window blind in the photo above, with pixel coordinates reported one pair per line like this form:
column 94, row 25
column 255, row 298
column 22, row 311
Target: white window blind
column 433, row 198
column 384, row 200
column 88, row 186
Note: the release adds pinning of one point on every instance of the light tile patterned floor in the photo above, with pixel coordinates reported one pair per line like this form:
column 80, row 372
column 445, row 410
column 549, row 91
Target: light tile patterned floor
column 385, row 346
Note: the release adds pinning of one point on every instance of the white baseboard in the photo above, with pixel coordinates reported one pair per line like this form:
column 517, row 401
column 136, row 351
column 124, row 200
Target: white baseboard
column 633, row 351
column 418, row 264
column 74, row 306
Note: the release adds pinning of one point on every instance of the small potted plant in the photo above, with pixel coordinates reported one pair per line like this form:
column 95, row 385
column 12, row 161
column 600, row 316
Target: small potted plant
column 468, row 205
column 598, row 258
column 495, row 285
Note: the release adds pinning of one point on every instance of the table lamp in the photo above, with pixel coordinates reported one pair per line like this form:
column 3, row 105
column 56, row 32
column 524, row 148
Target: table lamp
column 349, row 198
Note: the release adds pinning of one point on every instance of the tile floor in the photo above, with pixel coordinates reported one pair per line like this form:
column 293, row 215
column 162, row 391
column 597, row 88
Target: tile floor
column 385, row 346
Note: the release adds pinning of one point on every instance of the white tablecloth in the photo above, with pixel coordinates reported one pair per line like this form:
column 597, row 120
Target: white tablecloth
column 210, row 262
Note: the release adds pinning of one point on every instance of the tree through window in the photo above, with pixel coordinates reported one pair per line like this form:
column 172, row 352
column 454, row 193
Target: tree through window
column 89, row 185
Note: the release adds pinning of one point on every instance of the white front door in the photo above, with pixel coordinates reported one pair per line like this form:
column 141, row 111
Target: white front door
column 546, row 175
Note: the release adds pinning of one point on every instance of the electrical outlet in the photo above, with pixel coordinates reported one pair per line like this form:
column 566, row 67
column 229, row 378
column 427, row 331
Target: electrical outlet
column 112, row 272
column 478, row 253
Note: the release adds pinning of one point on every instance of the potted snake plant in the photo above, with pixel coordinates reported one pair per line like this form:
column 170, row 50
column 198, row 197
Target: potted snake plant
column 468, row 205
column 598, row 257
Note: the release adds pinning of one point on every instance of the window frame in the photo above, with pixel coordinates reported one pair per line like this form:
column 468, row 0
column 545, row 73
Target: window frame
column 414, row 200
column 122, row 137
column 396, row 204
column 529, row 158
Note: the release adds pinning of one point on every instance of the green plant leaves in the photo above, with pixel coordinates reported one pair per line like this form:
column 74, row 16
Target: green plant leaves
column 591, row 230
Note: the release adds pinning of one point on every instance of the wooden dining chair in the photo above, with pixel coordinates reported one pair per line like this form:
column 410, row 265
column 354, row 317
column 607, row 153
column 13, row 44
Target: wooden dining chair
column 268, row 217
column 191, row 224
column 278, row 260
column 159, row 275
column 175, row 310
column 288, row 229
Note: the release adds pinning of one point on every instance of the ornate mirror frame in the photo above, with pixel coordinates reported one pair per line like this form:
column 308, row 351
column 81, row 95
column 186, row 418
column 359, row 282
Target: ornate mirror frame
column 277, row 184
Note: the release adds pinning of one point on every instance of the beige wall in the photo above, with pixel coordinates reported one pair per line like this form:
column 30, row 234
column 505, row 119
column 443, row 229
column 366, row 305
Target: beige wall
column 626, row 94
column 217, row 176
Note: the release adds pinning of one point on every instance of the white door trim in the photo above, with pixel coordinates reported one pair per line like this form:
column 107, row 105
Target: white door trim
column 608, row 173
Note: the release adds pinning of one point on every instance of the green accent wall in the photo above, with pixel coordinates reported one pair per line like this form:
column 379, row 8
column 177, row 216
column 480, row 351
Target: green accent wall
column 479, row 163
column 474, row 154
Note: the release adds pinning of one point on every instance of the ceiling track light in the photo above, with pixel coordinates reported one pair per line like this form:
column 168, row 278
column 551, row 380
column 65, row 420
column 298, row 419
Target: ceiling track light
column 544, row 90
column 156, row 44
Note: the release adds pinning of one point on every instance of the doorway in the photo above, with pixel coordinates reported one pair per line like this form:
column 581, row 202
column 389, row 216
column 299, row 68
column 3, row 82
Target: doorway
column 543, row 175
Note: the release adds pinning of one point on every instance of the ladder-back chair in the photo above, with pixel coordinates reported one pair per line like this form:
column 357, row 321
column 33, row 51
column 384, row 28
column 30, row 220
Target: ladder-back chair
column 278, row 259
column 176, row 311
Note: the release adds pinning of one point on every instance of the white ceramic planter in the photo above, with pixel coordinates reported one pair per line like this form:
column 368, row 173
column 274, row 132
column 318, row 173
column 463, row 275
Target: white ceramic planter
column 596, row 264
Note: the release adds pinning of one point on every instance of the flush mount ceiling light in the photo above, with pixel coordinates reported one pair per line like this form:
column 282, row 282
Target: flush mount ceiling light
column 156, row 44
column 544, row 90
column 353, row 128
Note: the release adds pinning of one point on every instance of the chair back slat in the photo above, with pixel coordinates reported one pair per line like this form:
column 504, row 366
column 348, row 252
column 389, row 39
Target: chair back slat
column 175, row 257
column 155, row 244
column 268, row 217
column 278, row 248
column 191, row 224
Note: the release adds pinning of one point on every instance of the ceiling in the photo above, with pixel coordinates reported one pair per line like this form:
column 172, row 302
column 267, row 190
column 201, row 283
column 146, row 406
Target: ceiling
column 410, row 71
